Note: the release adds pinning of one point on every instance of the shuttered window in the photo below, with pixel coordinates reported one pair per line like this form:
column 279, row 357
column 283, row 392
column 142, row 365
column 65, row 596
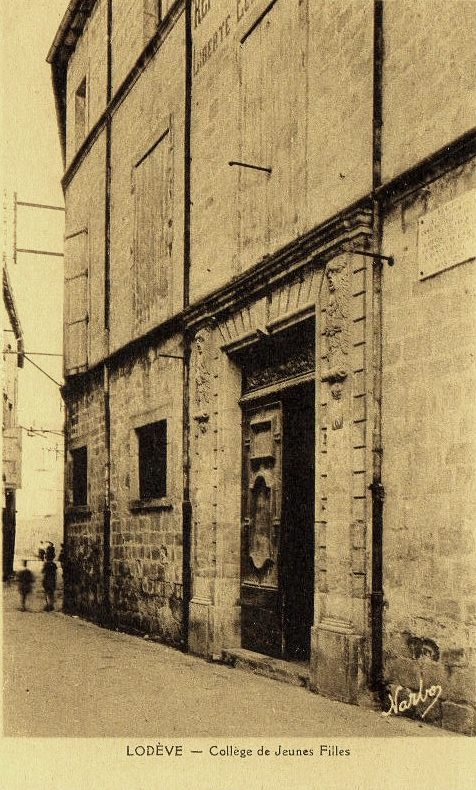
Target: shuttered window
column 255, row 139
column 153, row 232
column 271, row 85
column 76, row 301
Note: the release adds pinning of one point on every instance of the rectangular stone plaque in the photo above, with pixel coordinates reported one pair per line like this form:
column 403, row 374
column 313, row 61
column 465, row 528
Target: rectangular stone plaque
column 447, row 235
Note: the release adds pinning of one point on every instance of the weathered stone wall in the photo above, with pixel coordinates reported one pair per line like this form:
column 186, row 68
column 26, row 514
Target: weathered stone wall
column 133, row 23
column 84, row 527
column 146, row 538
column 273, row 94
column 428, row 78
column 214, row 143
column 339, row 106
column 428, row 421
column 154, row 105
column 89, row 60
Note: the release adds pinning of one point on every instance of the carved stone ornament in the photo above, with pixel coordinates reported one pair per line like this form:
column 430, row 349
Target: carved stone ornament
column 261, row 523
column 336, row 411
column 337, row 334
column 202, row 383
column 302, row 361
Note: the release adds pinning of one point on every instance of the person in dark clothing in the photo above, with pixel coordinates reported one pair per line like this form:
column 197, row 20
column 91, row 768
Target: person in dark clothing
column 49, row 584
column 41, row 551
column 50, row 551
column 25, row 584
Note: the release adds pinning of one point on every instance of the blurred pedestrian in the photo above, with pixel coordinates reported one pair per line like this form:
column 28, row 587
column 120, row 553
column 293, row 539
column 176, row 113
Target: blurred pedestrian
column 25, row 584
column 50, row 551
column 41, row 551
column 49, row 584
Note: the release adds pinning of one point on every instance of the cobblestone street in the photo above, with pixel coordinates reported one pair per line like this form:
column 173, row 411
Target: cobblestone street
column 66, row 677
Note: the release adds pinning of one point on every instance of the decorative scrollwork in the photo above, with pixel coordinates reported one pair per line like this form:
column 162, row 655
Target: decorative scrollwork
column 337, row 334
column 202, row 384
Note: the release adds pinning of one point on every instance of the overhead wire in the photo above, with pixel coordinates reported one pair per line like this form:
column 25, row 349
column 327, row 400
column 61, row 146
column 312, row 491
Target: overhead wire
column 25, row 356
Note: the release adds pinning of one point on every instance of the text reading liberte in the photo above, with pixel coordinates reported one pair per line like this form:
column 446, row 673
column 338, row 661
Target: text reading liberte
column 200, row 10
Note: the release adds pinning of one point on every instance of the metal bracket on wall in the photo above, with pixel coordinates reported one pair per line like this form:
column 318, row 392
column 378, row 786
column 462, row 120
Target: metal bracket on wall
column 376, row 256
column 253, row 167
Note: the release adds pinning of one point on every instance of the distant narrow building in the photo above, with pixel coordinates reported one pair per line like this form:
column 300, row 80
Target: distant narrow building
column 269, row 291
column 11, row 431
column 32, row 248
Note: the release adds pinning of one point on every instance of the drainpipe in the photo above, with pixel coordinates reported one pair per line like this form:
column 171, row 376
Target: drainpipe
column 106, row 608
column 106, row 613
column 186, row 503
column 107, row 221
column 376, row 487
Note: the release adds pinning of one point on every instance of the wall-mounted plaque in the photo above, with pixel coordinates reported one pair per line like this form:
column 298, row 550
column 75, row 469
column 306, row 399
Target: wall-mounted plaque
column 447, row 235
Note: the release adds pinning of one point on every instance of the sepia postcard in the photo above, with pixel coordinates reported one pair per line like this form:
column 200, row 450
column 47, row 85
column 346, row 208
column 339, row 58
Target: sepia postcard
column 238, row 438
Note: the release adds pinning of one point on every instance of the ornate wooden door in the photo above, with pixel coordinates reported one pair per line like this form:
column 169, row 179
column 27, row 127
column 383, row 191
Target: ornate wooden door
column 261, row 599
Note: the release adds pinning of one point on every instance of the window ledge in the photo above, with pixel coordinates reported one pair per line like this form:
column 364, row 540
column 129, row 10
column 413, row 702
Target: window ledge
column 79, row 511
column 164, row 503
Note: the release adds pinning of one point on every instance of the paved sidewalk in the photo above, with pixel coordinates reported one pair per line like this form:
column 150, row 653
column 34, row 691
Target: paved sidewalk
column 66, row 677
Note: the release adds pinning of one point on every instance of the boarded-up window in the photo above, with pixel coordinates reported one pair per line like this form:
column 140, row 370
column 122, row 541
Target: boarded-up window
column 153, row 189
column 76, row 301
column 270, row 89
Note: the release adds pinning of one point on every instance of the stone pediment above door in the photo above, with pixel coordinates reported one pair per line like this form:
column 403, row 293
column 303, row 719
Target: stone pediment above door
column 286, row 305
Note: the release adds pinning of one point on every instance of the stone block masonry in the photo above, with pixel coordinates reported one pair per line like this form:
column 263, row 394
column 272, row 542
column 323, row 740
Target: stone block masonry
column 84, row 525
column 428, row 74
column 428, row 462
column 146, row 535
column 146, row 590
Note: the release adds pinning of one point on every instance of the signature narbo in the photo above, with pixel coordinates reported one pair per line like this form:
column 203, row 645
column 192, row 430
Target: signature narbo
column 413, row 699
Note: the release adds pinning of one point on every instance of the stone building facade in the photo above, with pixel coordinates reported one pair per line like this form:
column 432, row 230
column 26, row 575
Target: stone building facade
column 11, row 439
column 268, row 336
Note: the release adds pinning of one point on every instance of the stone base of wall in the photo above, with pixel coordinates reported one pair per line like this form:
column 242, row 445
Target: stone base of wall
column 200, row 628
column 458, row 718
column 161, row 628
column 441, row 685
column 453, row 716
column 146, row 606
column 334, row 668
column 212, row 628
